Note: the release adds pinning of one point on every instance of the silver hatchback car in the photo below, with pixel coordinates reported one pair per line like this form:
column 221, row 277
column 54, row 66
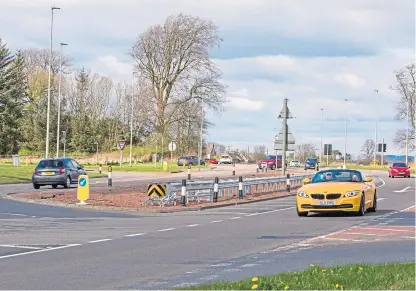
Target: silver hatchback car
column 54, row 172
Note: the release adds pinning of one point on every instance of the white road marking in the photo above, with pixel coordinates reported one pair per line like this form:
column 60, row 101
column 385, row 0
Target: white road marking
column 192, row 225
column 135, row 234
column 39, row 251
column 248, row 265
column 380, row 199
column 403, row 190
column 21, row 247
column 236, row 217
column 15, row 214
column 221, row 265
column 166, row 229
column 99, row 240
column 407, row 208
column 215, row 221
column 384, row 183
column 345, row 239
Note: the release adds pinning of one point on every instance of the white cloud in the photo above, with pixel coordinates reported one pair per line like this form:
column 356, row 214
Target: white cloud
column 245, row 104
column 351, row 80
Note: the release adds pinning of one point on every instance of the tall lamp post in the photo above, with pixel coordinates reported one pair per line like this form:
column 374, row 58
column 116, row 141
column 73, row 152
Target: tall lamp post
column 345, row 143
column 131, row 121
column 201, row 132
column 407, row 116
column 59, row 101
column 322, row 121
column 48, row 111
column 375, row 131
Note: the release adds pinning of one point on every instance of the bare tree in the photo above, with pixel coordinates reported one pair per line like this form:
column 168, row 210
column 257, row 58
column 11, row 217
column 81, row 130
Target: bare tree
column 173, row 59
column 406, row 87
column 304, row 151
column 259, row 152
column 39, row 59
column 368, row 149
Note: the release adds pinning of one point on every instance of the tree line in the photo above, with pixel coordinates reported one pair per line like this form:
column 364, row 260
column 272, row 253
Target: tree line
column 175, row 84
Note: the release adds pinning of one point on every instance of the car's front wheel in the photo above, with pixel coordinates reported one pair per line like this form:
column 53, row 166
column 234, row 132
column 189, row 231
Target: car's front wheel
column 301, row 213
column 36, row 186
column 374, row 207
column 67, row 182
column 361, row 211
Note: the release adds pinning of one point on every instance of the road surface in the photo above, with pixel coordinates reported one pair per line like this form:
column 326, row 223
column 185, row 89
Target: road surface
column 45, row 247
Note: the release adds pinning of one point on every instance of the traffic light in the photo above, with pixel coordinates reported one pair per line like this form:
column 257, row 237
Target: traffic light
column 382, row 147
column 327, row 149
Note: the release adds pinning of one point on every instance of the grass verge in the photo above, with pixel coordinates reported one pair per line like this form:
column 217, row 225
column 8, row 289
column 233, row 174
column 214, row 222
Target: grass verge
column 23, row 174
column 144, row 167
column 390, row 276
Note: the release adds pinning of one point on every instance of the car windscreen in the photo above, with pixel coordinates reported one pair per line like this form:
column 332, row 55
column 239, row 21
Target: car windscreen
column 400, row 165
column 310, row 161
column 50, row 164
column 269, row 157
column 337, row 176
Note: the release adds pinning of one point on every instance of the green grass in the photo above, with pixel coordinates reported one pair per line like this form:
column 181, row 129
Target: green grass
column 144, row 167
column 392, row 276
column 23, row 174
column 369, row 168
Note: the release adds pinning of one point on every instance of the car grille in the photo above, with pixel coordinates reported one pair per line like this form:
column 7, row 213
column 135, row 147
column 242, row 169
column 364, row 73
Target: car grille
column 333, row 196
column 318, row 196
column 330, row 196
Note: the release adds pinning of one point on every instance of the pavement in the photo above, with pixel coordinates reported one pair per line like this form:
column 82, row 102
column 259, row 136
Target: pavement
column 47, row 247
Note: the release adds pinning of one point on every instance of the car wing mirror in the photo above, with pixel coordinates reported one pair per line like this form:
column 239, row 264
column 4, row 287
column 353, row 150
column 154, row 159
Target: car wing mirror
column 368, row 179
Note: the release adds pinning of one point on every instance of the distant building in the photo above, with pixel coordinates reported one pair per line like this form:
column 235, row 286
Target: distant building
column 215, row 149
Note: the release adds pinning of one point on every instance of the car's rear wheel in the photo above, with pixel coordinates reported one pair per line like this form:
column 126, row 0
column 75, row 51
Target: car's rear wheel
column 67, row 182
column 54, row 186
column 273, row 167
column 374, row 207
column 36, row 186
column 361, row 211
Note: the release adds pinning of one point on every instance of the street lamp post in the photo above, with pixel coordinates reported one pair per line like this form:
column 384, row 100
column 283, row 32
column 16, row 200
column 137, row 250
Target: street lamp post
column 375, row 132
column 345, row 143
column 59, row 102
column 49, row 89
column 322, row 121
column 201, row 132
column 131, row 121
column 407, row 116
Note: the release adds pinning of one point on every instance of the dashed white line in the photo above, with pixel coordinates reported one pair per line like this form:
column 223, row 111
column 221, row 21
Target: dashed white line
column 192, row 225
column 135, row 234
column 166, row 229
column 236, row 217
column 39, row 251
column 216, row 221
column 384, row 183
column 99, row 240
column 21, row 247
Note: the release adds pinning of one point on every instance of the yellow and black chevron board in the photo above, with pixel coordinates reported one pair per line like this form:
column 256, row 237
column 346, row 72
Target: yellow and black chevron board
column 156, row 190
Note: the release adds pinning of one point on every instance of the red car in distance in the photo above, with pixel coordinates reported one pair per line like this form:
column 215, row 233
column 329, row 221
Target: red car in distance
column 213, row 161
column 398, row 169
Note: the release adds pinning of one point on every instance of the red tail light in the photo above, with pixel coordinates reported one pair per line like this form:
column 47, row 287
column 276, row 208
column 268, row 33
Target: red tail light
column 61, row 170
column 36, row 171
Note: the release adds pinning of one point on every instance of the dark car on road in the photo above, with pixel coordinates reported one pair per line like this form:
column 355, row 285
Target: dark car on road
column 189, row 161
column 54, row 172
column 311, row 163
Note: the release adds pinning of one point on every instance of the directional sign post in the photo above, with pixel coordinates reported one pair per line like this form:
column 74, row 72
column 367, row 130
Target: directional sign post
column 285, row 140
column 172, row 148
column 83, row 191
column 120, row 145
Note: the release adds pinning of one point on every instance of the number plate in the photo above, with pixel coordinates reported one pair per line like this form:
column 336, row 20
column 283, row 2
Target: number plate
column 326, row 203
column 48, row 173
column 402, row 173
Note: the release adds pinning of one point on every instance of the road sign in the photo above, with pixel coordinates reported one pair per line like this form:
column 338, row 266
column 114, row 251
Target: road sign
column 328, row 149
column 83, row 191
column 121, row 144
column 290, row 138
column 165, row 165
column 157, row 190
column 172, row 146
column 380, row 146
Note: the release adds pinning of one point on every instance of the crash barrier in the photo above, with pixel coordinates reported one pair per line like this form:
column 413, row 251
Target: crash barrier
column 212, row 191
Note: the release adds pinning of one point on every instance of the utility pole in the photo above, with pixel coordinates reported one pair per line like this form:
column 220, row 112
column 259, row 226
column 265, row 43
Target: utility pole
column 284, row 145
column 201, row 132
column 345, row 144
column 322, row 121
column 382, row 153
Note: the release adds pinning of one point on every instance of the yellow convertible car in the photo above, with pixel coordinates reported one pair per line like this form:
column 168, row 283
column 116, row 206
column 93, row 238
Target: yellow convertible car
column 337, row 190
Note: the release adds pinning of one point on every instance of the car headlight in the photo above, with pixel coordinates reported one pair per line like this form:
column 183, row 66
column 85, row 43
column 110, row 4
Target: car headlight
column 302, row 194
column 352, row 193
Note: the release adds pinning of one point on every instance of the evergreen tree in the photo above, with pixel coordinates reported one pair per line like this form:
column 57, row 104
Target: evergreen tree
column 13, row 96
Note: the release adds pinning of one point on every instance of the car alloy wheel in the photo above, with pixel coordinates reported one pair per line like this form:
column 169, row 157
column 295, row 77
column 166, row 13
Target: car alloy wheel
column 68, row 182
column 362, row 206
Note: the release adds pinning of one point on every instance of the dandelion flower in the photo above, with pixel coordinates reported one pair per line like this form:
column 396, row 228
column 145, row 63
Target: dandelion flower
column 286, row 287
column 255, row 279
column 311, row 265
column 254, row 287
column 323, row 270
column 360, row 268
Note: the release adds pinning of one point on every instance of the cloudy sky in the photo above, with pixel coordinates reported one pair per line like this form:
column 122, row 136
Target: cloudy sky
column 316, row 53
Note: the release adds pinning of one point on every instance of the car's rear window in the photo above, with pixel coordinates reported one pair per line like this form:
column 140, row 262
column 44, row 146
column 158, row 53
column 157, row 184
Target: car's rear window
column 225, row 157
column 50, row 164
column 269, row 157
column 294, row 161
column 399, row 165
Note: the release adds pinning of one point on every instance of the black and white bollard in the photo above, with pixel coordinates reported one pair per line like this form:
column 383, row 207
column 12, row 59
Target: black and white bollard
column 233, row 168
column 110, row 179
column 240, row 187
column 189, row 172
column 288, row 182
column 183, row 194
column 215, row 197
column 100, row 168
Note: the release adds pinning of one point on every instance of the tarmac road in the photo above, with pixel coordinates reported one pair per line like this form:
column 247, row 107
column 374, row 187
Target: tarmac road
column 160, row 251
